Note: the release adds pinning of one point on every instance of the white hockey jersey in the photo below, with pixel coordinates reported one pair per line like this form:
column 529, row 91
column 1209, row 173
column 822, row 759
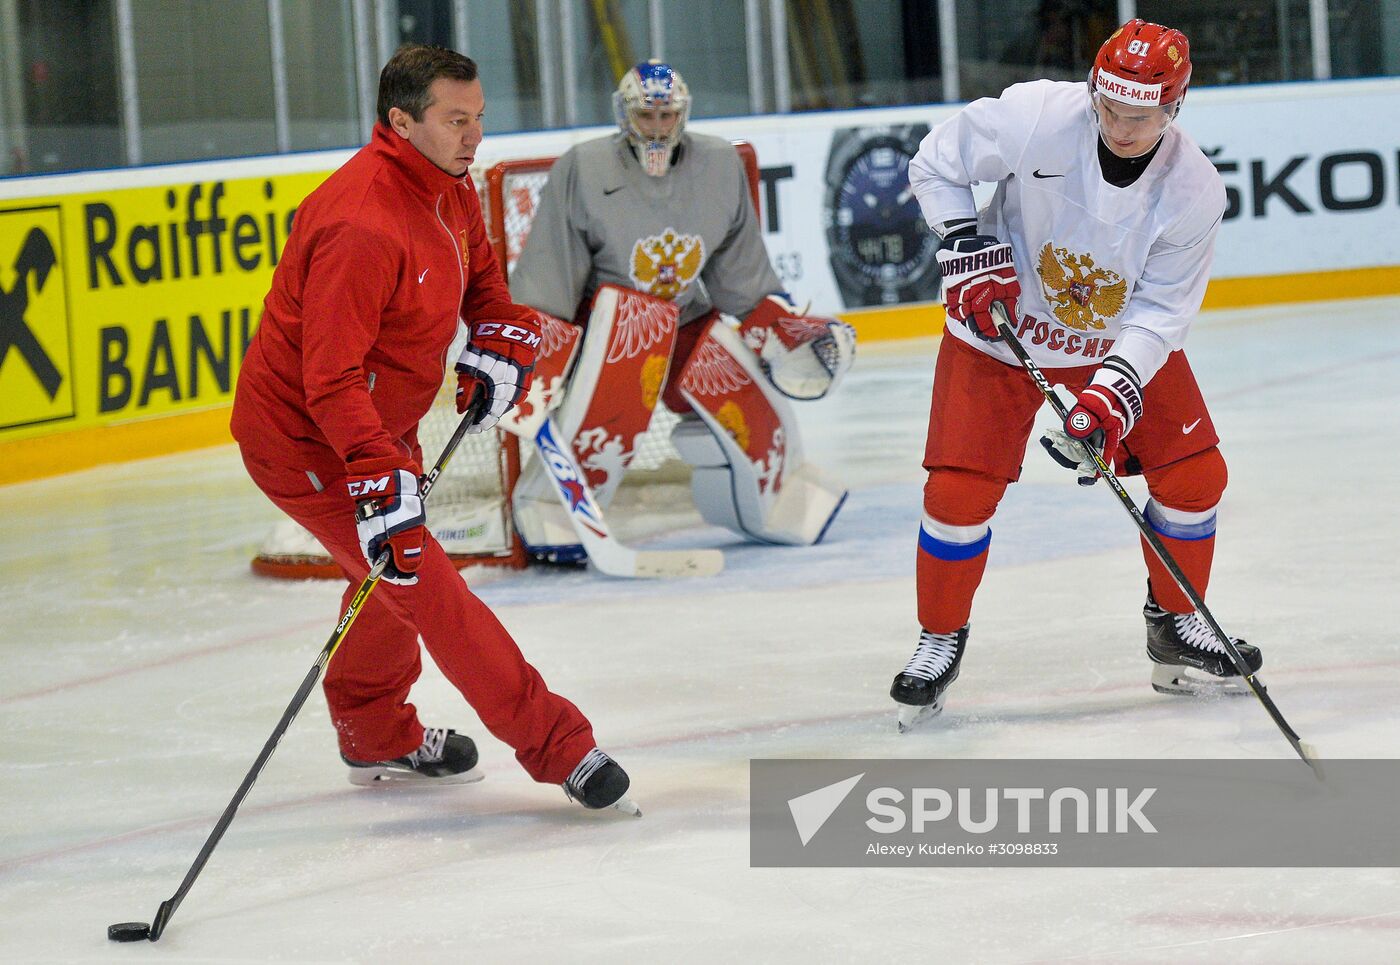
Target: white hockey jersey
column 1102, row 268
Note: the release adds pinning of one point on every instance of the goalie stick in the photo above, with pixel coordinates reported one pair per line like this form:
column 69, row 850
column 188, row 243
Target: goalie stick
column 1304, row 750
column 135, row 931
column 604, row 551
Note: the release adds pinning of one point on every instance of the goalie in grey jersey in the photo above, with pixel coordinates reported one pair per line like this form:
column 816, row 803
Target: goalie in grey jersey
column 647, row 255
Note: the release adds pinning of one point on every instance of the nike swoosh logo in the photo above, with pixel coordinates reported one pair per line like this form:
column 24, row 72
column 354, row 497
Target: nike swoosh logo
column 1036, row 174
column 608, row 191
column 1186, row 430
column 424, row 275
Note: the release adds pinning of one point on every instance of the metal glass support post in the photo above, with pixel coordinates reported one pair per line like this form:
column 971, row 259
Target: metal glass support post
column 753, row 53
column 386, row 19
column 657, row 17
column 1127, row 10
column 1321, row 40
column 126, row 83
column 782, row 71
column 568, row 64
column 14, row 136
column 948, row 50
column 281, row 119
column 460, row 37
column 544, row 51
column 366, row 70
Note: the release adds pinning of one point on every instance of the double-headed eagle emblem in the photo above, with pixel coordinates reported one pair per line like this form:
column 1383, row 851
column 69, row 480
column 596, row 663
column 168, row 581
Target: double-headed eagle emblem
column 664, row 265
column 1081, row 296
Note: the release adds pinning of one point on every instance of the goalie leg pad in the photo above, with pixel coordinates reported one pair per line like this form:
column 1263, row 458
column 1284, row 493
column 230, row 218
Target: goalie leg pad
column 742, row 443
column 622, row 366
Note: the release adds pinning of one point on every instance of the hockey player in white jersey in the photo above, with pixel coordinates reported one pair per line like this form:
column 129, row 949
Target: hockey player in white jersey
column 649, row 241
column 1099, row 241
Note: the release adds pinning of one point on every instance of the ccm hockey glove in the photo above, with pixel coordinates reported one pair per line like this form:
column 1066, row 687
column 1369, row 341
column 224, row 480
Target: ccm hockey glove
column 1102, row 417
column 977, row 271
column 388, row 513
column 497, row 360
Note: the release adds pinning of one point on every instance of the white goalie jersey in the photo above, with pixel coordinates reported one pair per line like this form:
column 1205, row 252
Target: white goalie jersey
column 1101, row 267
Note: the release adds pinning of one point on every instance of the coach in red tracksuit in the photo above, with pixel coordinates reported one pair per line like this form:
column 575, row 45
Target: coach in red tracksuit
column 382, row 260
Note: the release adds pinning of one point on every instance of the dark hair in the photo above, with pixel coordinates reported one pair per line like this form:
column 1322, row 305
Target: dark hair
column 405, row 79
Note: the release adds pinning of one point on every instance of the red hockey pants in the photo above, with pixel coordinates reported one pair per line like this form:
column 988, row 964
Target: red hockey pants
column 982, row 414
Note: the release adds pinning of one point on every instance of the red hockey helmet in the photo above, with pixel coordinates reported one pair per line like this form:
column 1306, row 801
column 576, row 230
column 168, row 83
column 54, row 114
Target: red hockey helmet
column 1144, row 64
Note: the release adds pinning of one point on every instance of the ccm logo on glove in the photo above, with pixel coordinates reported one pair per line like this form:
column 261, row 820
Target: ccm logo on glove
column 507, row 331
column 388, row 516
column 362, row 488
column 496, row 364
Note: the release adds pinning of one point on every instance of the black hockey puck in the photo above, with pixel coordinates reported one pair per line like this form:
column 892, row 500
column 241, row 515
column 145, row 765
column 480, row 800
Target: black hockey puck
column 129, row 931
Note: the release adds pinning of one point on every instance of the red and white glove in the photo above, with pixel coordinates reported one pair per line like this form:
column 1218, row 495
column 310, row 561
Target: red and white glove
column 1102, row 417
column 388, row 513
column 804, row 356
column 497, row 360
column 977, row 271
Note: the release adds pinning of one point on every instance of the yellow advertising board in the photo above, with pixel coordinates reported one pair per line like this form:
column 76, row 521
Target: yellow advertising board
column 120, row 306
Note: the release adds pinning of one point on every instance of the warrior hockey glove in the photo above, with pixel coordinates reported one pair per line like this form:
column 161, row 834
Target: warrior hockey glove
column 1103, row 415
column 388, row 513
column 804, row 356
column 498, row 359
column 977, row 271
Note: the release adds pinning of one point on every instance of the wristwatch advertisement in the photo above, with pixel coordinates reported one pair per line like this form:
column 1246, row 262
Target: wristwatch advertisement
column 881, row 251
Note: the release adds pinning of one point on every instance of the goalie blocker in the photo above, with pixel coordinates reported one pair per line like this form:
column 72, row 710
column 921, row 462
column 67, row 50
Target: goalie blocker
column 740, row 436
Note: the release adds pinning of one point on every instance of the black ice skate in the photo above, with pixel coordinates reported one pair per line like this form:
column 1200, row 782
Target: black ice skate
column 445, row 757
column 1187, row 657
column 600, row 782
column 920, row 687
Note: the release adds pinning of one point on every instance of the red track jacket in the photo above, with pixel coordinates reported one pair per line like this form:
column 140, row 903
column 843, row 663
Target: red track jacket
column 351, row 350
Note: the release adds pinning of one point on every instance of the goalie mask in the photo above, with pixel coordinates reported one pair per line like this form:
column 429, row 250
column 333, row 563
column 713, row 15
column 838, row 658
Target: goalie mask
column 651, row 105
column 1137, row 84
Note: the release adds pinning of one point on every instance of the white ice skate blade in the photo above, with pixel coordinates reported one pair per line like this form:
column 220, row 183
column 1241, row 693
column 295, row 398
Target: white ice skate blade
column 911, row 716
column 385, row 776
column 627, row 806
column 1179, row 681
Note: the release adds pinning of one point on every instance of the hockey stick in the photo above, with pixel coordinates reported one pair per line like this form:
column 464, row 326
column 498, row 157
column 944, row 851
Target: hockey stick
column 135, row 931
column 586, row 517
column 1304, row 750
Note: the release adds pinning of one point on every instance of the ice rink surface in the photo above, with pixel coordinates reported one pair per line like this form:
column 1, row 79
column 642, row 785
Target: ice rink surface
column 144, row 667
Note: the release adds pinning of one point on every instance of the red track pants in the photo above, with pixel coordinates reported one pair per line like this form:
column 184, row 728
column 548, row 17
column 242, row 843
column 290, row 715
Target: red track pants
column 368, row 679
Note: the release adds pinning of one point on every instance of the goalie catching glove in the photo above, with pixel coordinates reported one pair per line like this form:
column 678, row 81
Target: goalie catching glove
column 497, row 361
column 978, row 270
column 804, row 356
column 388, row 513
column 1102, row 417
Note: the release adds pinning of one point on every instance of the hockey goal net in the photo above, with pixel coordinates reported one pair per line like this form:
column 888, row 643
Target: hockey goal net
column 469, row 511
